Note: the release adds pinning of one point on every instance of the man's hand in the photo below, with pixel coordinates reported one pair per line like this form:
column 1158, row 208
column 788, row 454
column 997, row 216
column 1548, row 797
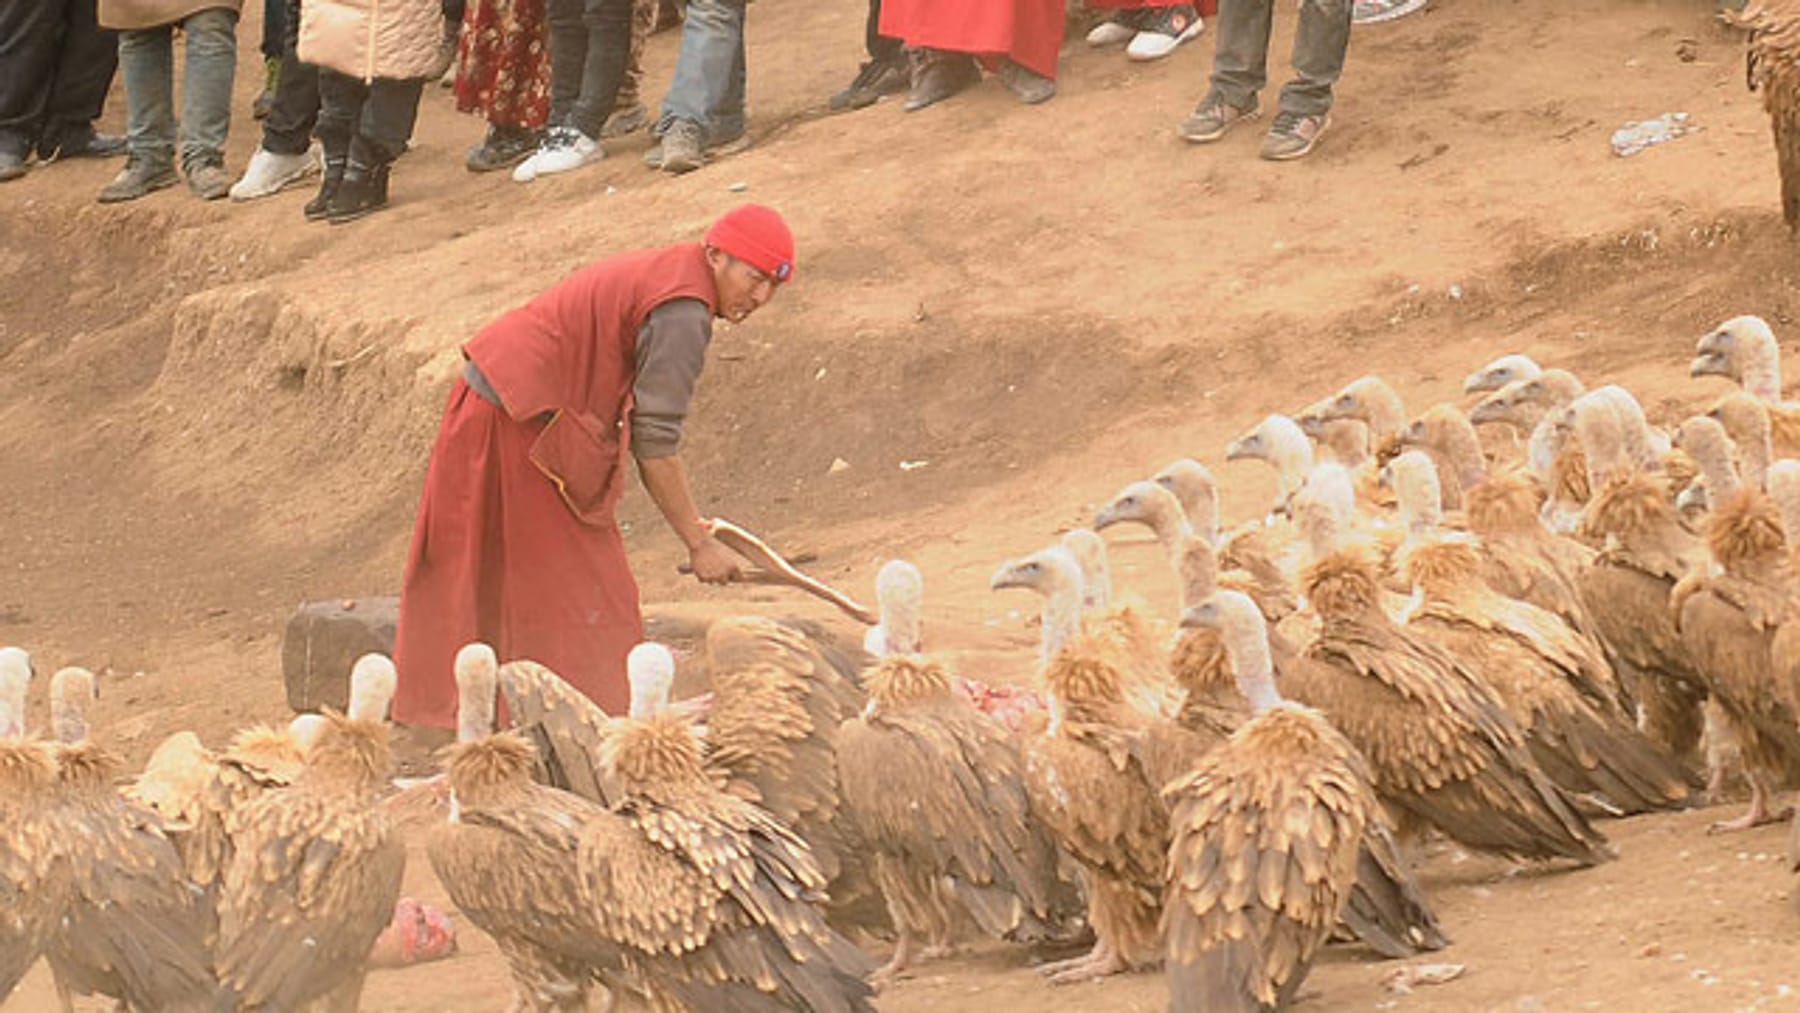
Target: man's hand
column 713, row 563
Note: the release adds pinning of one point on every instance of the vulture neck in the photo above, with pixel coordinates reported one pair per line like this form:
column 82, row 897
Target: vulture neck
column 1061, row 619
column 1762, row 370
column 1253, row 669
column 475, row 713
column 902, row 627
column 1293, row 461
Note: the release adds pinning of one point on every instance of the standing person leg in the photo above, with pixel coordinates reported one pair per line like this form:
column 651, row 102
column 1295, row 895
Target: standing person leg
column 206, row 99
column 85, row 63
column 710, row 66
column 28, row 51
column 504, row 74
column 382, row 130
column 285, row 157
column 274, row 31
column 340, row 105
column 568, row 67
column 575, row 141
column 1240, row 69
column 1320, row 44
column 629, row 114
column 884, row 73
column 147, row 62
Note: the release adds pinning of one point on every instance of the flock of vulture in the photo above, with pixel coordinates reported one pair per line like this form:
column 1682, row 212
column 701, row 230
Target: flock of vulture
column 1498, row 636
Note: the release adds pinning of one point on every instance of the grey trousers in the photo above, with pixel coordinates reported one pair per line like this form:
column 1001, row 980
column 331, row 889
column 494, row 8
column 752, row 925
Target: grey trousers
column 1240, row 62
column 147, row 62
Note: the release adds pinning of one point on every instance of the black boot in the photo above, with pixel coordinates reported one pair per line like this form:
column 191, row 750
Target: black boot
column 319, row 207
column 364, row 190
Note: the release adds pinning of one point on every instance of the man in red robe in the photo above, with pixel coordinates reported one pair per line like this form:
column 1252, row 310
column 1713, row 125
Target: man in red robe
column 516, row 543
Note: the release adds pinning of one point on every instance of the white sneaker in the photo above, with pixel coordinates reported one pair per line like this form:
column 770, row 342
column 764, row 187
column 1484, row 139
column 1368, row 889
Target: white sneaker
column 526, row 171
column 1369, row 12
column 566, row 149
column 269, row 174
column 1111, row 32
column 1164, row 32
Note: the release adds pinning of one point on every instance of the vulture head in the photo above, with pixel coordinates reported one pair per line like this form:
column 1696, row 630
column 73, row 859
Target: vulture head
column 372, row 682
column 15, row 680
column 1371, row 400
column 1054, row 574
column 1729, row 349
column 72, row 694
column 1704, row 439
column 1277, row 439
column 1148, row 503
column 1198, row 492
column 1324, row 507
column 650, row 669
column 303, row 733
column 899, row 597
column 477, row 674
column 1502, row 371
column 1345, row 441
column 1246, row 637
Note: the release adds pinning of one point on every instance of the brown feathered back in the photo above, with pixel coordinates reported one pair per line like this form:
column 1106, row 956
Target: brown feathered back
column 1201, row 664
column 352, row 755
column 1442, row 563
column 1628, row 505
column 1770, row 66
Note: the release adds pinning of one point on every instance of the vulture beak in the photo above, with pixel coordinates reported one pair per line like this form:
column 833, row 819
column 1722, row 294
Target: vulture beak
column 1011, row 575
column 1119, row 511
column 1712, row 363
column 1486, row 410
column 1311, row 424
column 1481, row 381
column 1246, row 447
column 1385, row 477
column 1413, row 435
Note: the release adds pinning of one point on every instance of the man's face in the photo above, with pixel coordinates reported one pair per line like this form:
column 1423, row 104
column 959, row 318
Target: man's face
column 742, row 289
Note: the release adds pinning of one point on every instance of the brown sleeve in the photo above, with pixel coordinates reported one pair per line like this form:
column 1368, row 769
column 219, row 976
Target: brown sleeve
column 671, row 351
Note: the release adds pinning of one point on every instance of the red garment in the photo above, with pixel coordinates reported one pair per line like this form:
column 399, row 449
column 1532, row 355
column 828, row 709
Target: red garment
column 1207, row 8
column 499, row 552
column 504, row 69
column 1029, row 31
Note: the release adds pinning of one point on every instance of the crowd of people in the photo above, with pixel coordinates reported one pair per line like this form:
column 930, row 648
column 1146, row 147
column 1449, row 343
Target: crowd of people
column 554, row 78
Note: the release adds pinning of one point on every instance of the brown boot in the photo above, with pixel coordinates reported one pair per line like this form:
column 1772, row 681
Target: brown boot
column 937, row 75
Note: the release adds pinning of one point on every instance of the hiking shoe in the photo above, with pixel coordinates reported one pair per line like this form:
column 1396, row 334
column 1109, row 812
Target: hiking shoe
column 1369, row 12
column 137, row 179
column 566, row 149
column 269, row 173
column 1163, row 29
column 1292, row 136
column 628, row 120
column 937, row 75
column 1117, row 30
column 1214, row 117
column 502, row 148
column 12, row 165
column 653, row 157
column 208, row 180
column 873, row 80
column 1030, row 86
column 683, row 148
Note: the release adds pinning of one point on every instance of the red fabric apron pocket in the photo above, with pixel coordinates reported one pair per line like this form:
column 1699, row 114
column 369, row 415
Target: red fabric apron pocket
column 580, row 455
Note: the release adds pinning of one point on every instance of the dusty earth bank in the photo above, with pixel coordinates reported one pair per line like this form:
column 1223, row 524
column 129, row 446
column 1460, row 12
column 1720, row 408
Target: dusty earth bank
column 209, row 413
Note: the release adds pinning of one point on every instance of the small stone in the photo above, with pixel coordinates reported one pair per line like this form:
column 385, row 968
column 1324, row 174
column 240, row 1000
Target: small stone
column 838, row 464
column 1650, row 950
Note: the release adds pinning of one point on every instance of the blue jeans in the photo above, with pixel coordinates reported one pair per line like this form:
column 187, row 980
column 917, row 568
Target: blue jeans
column 709, row 74
column 147, row 63
column 1242, row 51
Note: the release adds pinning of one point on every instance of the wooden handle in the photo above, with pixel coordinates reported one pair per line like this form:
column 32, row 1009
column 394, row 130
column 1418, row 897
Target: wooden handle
column 773, row 569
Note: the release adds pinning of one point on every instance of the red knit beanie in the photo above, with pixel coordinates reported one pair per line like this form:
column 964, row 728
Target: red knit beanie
column 756, row 235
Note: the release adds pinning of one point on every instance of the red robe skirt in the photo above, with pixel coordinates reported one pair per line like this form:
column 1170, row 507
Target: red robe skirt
column 498, row 557
column 1029, row 31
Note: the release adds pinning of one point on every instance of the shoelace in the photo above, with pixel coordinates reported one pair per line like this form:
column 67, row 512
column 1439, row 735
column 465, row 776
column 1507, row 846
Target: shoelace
column 1286, row 123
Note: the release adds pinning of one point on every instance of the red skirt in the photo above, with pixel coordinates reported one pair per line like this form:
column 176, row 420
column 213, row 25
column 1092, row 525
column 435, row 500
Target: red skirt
column 1207, row 8
column 497, row 557
column 1028, row 31
column 503, row 69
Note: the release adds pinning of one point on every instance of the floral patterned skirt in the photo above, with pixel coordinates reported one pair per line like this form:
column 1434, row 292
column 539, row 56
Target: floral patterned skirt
column 504, row 62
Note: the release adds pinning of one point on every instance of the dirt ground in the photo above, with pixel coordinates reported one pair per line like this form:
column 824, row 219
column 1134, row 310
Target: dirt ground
column 210, row 413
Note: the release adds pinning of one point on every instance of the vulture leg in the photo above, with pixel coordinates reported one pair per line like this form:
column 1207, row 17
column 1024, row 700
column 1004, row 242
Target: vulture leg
column 1759, row 813
column 903, row 958
column 1103, row 962
column 1724, row 756
column 64, row 995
